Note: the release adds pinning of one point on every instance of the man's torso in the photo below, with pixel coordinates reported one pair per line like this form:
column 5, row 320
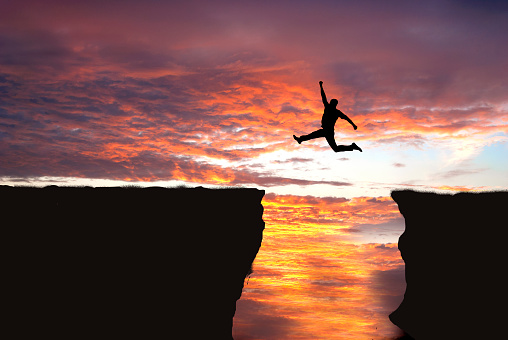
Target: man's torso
column 330, row 116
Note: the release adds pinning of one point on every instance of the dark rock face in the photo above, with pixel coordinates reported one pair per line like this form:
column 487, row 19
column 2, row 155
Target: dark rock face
column 127, row 262
column 454, row 248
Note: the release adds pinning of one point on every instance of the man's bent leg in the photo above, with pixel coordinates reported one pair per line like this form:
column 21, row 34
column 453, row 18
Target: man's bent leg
column 316, row 134
column 337, row 148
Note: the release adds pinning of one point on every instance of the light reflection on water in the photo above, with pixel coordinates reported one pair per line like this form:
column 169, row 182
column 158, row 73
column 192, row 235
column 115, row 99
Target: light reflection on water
column 309, row 282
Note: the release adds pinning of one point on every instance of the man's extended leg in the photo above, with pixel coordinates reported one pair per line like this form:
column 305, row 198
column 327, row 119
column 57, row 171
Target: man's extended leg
column 316, row 134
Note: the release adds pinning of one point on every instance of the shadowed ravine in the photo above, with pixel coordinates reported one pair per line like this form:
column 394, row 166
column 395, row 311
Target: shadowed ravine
column 127, row 262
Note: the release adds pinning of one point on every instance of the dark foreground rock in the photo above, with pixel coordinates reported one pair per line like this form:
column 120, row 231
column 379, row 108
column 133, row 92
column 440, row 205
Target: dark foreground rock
column 116, row 263
column 454, row 248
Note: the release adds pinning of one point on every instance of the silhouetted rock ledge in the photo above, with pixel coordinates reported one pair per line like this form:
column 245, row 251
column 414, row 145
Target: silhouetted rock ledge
column 454, row 248
column 118, row 263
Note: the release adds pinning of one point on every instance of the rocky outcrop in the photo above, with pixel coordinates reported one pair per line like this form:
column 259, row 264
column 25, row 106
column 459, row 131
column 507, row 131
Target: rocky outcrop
column 454, row 248
column 112, row 263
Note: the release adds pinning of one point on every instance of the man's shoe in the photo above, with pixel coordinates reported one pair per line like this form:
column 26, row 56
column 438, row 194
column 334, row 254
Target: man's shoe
column 297, row 139
column 356, row 147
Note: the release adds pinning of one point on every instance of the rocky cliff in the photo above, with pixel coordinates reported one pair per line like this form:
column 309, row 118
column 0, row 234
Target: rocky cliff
column 111, row 263
column 454, row 248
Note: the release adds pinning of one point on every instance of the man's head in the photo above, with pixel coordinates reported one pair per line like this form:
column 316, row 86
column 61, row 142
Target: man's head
column 334, row 102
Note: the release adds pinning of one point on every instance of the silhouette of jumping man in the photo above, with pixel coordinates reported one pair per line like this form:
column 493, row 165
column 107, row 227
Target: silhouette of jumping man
column 330, row 116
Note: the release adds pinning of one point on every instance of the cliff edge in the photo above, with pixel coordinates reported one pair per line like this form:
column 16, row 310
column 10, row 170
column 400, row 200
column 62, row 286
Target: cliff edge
column 454, row 248
column 113, row 263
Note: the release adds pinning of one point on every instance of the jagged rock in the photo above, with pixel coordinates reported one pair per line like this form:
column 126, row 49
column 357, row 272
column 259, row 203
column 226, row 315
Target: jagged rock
column 143, row 263
column 454, row 248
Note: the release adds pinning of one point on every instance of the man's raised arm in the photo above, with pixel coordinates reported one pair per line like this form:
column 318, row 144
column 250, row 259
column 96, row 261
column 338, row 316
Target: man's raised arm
column 323, row 95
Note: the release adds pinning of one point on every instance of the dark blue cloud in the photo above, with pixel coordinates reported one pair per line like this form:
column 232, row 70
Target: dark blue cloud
column 497, row 6
column 388, row 287
column 258, row 320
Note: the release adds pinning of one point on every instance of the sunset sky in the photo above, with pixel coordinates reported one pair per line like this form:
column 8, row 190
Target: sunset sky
column 163, row 93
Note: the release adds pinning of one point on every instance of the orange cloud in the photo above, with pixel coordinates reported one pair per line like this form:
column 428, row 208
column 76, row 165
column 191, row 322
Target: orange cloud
column 341, row 213
column 459, row 188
